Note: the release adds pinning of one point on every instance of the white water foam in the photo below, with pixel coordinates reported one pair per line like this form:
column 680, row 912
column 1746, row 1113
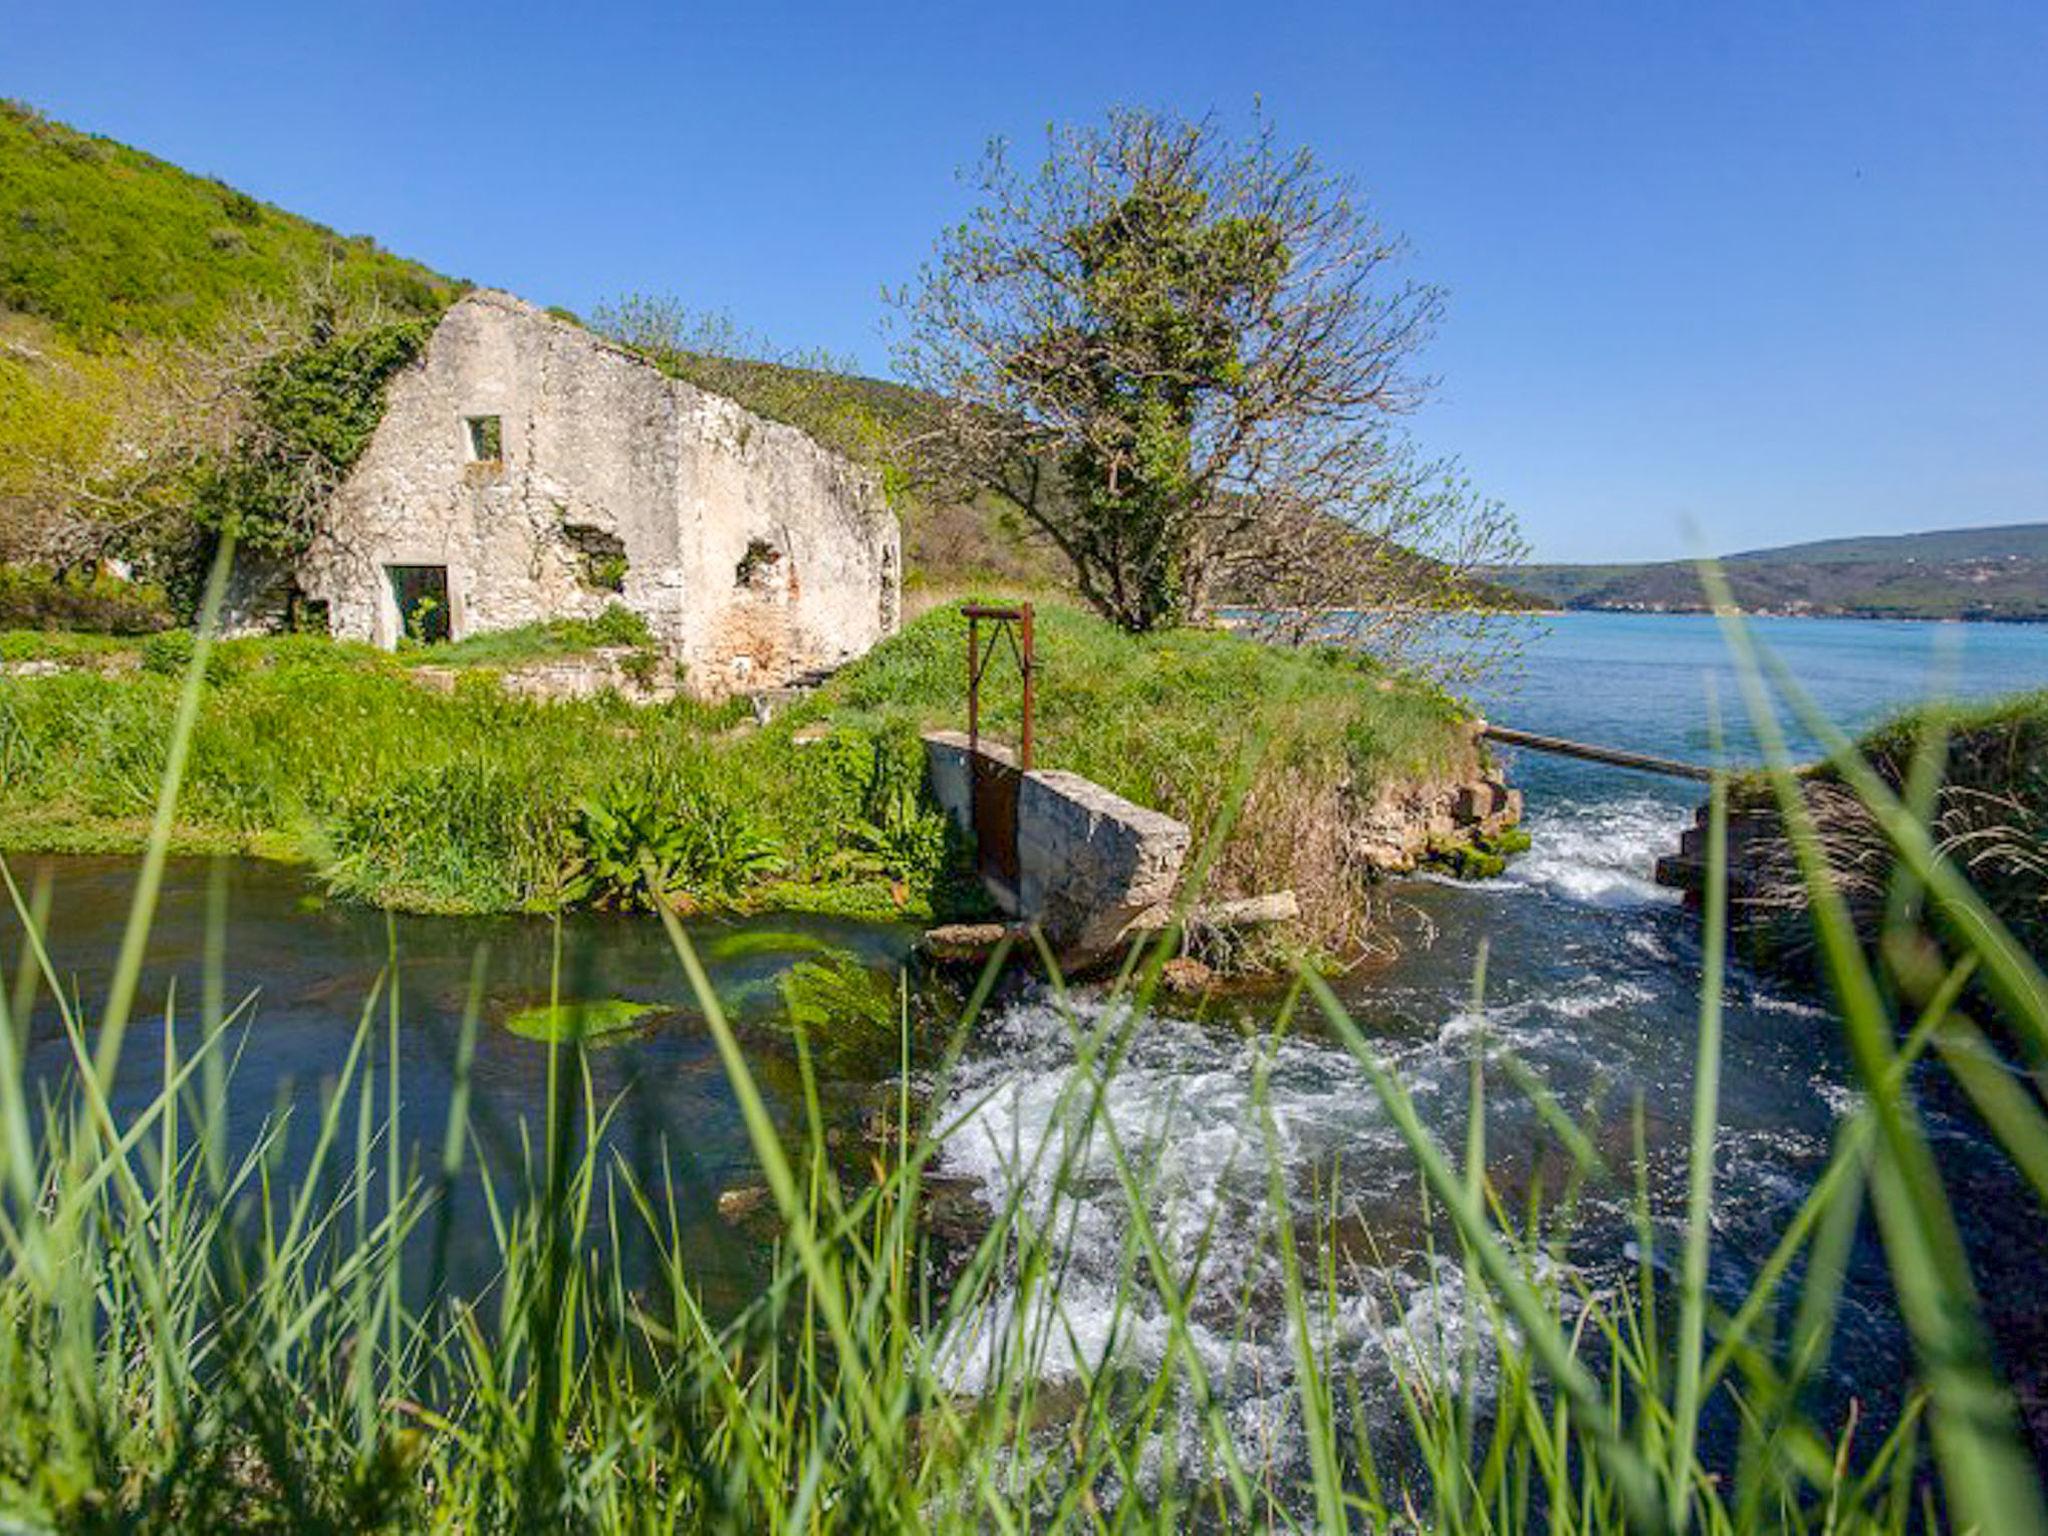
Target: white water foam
column 1601, row 853
column 1183, row 1110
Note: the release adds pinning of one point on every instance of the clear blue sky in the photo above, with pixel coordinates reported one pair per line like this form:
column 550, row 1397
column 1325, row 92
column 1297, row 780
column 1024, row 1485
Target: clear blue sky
column 1766, row 271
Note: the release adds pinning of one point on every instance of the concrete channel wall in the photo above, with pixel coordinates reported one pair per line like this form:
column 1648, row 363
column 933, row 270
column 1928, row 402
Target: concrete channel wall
column 1090, row 863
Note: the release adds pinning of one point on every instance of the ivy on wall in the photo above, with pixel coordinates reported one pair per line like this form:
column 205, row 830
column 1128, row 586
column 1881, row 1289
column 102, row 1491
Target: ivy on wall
column 312, row 414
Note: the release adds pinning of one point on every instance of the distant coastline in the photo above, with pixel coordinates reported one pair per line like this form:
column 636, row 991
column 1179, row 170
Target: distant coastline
column 1993, row 574
column 1704, row 612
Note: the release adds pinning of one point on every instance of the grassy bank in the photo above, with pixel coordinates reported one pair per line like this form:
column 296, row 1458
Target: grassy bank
column 1977, row 773
column 475, row 800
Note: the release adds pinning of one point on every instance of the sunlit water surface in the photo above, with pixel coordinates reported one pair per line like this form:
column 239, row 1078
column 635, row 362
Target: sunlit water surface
column 1591, row 981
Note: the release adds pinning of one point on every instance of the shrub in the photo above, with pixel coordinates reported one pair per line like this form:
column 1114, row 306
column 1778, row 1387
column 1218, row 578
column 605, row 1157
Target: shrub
column 468, row 834
column 635, row 850
column 641, row 667
column 900, row 833
column 170, row 654
column 313, row 414
column 36, row 599
column 620, row 625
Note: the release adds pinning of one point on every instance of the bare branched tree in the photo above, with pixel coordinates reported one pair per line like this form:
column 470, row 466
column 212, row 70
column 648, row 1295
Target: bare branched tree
column 1183, row 360
column 108, row 449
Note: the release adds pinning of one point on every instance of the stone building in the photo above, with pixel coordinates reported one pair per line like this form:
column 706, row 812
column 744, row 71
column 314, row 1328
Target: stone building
column 526, row 469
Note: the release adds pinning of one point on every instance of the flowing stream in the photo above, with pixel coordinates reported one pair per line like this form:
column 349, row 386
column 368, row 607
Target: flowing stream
column 1591, row 982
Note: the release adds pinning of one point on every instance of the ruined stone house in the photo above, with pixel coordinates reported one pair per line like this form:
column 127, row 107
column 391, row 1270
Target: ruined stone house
column 526, row 469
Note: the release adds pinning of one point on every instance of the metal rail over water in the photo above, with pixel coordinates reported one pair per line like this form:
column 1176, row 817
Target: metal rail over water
column 1614, row 757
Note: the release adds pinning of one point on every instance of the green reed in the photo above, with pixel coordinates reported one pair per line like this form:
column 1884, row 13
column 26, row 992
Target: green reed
column 192, row 1339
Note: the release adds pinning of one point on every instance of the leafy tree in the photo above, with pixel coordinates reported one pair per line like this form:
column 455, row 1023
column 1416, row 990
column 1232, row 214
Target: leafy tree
column 1182, row 360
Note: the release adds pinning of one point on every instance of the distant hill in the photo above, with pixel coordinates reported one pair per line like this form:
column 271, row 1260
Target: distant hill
column 1960, row 573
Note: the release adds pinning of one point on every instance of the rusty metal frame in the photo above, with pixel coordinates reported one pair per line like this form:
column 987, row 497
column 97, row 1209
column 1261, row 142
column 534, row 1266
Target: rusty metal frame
column 1015, row 625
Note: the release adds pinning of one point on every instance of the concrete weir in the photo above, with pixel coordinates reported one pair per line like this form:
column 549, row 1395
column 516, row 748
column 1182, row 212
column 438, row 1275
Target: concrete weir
column 1092, row 867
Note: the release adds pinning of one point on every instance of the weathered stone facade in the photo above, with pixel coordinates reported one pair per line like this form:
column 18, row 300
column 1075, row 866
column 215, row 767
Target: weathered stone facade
column 530, row 470
column 1090, row 864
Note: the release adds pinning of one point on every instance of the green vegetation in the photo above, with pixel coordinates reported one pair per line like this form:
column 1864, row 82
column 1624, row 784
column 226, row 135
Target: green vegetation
column 1482, row 857
column 31, row 599
column 312, row 413
column 1180, row 356
column 849, row 1015
column 176, row 357
column 186, row 1343
column 1964, row 573
column 1978, row 774
column 476, row 800
column 617, row 625
column 110, row 244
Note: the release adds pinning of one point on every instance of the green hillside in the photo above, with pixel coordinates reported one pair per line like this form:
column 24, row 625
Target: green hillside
column 108, row 243
column 1949, row 546
column 1993, row 573
column 106, row 251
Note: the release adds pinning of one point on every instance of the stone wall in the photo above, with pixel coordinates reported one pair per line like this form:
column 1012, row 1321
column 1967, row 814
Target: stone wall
column 1090, row 863
column 755, row 554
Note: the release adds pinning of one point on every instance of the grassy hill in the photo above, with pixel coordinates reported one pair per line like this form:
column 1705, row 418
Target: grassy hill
column 1962, row 573
column 109, row 245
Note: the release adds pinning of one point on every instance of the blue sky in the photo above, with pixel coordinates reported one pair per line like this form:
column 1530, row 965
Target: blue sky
column 1722, row 274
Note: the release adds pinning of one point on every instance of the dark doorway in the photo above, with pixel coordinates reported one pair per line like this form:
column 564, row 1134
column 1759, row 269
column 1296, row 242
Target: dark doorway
column 422, row 594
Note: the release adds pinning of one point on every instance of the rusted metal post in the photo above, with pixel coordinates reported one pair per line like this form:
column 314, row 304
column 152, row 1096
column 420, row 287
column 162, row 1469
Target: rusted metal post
column 973, row 681
column 1016, row 626
column 1028, row 659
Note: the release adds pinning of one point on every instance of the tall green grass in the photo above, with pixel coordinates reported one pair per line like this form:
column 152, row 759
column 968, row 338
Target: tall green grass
column 470, row 800
column 191, row 1340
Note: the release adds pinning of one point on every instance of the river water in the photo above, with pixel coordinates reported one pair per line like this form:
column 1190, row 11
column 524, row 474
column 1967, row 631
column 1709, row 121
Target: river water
column 1591, row 981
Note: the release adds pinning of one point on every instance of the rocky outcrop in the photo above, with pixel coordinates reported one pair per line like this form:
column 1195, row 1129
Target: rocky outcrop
column 1403, row 826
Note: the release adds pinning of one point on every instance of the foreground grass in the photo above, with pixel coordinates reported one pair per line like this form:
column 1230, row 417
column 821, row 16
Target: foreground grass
column 475, row 800
column 190, row 1340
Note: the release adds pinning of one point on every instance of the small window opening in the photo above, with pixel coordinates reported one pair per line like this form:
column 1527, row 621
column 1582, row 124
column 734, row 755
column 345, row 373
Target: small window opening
column 305, row 615
column 421, row 592
column 486, row 439
column 758, row 565
column 600, row 555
